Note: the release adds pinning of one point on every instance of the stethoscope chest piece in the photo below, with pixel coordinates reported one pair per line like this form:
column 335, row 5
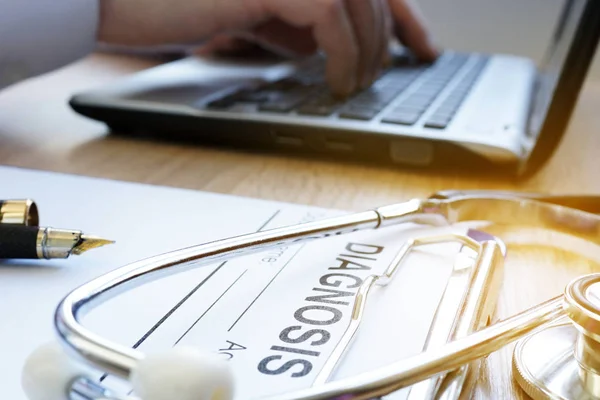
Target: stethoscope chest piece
column 545, row 367
column 562, row 360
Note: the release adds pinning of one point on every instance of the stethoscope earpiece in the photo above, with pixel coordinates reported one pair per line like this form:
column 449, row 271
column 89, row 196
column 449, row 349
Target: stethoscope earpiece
column 50, row 374
column 562, row 361
column 189, row 372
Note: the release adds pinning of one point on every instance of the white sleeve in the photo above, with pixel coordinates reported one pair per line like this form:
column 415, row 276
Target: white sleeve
column 37, row 36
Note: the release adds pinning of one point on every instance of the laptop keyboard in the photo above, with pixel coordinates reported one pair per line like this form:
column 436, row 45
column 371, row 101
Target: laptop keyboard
column 306, row 94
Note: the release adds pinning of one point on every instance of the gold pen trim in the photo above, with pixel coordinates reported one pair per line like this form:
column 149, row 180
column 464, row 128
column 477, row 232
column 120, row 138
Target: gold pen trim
column 21, row 212
column 41, row 243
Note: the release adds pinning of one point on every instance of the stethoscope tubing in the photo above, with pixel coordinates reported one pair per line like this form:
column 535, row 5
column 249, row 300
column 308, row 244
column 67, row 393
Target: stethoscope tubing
column 453, row 206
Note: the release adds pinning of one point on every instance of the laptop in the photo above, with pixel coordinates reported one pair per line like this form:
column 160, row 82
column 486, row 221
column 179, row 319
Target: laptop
column 485, row 112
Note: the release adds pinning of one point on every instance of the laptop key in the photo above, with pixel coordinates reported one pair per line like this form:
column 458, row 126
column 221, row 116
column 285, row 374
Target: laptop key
column 408, row 108
column 416, row 103
column 446, row 109
column 430, row 89
column 317, row 109
column 402, row 118
column 323, row 105
column 360, row 113
column 284, row 103
column 379, row 105
column 374, row 96
column 438, row 122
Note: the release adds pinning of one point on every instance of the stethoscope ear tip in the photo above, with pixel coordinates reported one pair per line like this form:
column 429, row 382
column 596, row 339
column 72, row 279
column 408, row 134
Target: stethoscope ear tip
column 187, row 371
column 48, row 371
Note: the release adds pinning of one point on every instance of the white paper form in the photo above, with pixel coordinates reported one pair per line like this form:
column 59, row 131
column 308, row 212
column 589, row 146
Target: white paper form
column 275, row 315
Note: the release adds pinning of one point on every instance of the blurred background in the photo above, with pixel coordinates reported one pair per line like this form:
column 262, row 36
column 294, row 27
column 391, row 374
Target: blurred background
column 521, row 27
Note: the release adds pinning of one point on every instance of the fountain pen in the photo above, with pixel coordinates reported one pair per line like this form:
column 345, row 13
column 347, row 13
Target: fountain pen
column 30, row 242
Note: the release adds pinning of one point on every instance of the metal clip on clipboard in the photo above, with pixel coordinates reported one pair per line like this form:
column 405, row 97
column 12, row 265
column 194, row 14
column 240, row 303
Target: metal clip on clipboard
column 467, row 305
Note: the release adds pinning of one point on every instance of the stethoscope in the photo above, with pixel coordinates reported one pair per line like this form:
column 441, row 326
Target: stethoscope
column 558, row 356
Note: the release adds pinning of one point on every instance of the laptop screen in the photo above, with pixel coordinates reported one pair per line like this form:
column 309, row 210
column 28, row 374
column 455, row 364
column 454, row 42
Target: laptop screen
column 554, row 68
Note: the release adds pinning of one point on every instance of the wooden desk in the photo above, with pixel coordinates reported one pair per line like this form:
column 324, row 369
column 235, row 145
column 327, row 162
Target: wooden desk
column 38, row 130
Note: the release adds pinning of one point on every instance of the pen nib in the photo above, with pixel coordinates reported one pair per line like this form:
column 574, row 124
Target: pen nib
column 87, row 242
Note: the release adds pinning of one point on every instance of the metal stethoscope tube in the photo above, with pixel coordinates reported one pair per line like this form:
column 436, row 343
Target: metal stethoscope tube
column 444, row 207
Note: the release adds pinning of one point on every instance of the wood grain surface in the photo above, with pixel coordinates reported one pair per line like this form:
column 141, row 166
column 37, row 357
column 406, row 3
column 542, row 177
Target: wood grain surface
column 38, row 130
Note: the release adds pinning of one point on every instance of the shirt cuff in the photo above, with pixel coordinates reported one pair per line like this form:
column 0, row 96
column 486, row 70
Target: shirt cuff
column 41, row 35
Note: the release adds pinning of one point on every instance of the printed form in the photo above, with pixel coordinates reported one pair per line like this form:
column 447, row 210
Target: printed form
column 276, row 316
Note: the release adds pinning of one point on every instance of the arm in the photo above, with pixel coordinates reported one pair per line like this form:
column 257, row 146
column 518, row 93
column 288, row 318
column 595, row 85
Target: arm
column 37, row 36
column 352, row 33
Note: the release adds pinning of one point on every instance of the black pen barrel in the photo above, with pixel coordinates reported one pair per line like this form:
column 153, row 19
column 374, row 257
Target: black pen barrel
column 18, row 241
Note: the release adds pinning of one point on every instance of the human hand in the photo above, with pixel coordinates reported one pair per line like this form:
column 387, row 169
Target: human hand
column 353, row 34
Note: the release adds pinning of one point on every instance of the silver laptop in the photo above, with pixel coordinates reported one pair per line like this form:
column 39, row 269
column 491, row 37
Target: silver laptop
column 466, row 110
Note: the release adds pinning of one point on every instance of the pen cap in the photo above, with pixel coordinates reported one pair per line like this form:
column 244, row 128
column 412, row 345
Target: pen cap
column 20, row 212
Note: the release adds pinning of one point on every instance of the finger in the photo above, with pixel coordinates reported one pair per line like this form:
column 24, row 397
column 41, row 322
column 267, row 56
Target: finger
column 384, row 36
column 364, row 15
column 388, row 23
column 332, row 31
column 285, row 39
column 411, row 31
column 224, row 44
column 334, row 34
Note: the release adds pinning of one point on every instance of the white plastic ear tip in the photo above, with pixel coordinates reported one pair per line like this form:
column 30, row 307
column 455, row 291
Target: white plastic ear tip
column 48, row 373
column 183, row 373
